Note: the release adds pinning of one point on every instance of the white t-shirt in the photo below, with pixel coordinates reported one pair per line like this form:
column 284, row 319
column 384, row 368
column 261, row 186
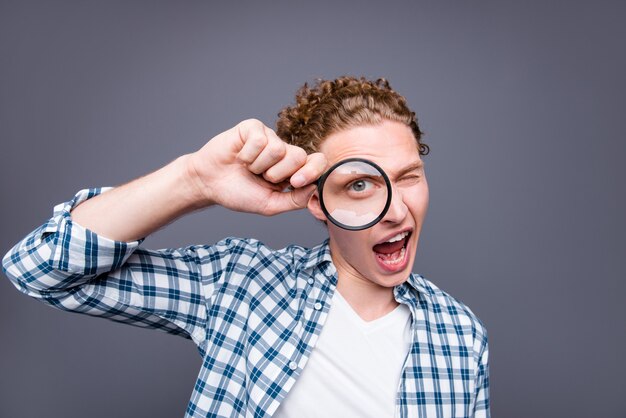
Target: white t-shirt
column 354, row 370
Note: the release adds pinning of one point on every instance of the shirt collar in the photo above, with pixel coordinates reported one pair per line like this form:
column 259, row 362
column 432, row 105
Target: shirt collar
column 413, row 289
column 318, row 256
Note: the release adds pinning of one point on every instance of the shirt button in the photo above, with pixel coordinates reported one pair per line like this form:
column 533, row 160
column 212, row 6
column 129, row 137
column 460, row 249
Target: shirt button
column 317, row 306
column 310, row 281
column 293, row 365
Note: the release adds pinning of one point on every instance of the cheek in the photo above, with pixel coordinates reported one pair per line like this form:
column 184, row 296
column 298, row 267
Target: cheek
column 352, row 244
column 419, row 203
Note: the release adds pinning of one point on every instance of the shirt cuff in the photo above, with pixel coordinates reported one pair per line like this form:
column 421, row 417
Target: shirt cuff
column 79, row 250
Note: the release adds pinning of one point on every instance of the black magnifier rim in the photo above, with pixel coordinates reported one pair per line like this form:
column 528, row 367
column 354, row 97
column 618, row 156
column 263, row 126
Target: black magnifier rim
column 320, row 188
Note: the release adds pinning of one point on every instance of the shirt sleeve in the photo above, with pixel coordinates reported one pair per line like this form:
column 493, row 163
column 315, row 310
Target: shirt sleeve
column 74, row 269
column 481, row 403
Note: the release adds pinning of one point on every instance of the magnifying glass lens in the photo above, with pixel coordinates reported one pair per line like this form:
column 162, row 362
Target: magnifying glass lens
column 355, row 194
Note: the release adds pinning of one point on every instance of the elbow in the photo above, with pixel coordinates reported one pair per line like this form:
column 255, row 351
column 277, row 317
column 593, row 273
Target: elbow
column 28, row 274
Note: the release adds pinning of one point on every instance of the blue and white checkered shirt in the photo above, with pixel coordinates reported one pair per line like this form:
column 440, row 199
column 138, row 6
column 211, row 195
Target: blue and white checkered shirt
column 255, row 314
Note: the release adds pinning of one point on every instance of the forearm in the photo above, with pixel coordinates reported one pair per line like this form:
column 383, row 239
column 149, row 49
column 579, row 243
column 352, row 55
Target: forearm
column 60, row 254
column 137, row 209
column 71, row 268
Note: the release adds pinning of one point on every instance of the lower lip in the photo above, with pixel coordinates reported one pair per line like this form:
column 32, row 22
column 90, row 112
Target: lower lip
column 395, row 267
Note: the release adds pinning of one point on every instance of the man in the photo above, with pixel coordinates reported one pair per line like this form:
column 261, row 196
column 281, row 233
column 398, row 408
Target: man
column 343, row 329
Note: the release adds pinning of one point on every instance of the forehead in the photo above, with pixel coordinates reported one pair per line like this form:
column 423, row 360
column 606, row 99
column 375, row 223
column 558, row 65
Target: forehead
column 389, row 144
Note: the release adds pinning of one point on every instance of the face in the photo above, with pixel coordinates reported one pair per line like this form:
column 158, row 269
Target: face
column 382, row 255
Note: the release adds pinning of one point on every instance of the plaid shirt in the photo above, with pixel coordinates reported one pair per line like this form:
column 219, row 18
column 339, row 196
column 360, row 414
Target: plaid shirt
column 255, row 314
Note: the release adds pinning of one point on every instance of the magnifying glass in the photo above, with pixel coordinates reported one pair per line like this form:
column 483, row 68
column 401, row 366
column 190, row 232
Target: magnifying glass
column 354, row 194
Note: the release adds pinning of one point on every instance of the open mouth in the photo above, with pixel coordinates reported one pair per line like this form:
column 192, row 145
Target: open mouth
column 392, row 252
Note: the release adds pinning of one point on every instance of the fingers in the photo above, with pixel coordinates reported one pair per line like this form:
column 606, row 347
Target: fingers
column 263, row 149
column 314, row 167
column 291, row 200
column 253, row 135
column 302, row 180
column 266, row 154
column 294, row 159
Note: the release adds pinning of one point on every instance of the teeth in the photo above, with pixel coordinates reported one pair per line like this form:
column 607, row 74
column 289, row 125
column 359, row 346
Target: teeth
column 398, row 237
column 395, row 258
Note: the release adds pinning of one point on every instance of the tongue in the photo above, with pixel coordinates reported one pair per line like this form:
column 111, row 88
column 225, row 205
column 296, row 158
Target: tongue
column 389, row 247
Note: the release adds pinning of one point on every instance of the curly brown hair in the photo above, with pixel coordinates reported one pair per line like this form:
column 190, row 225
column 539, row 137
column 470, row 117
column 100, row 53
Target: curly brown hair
column 334, row 105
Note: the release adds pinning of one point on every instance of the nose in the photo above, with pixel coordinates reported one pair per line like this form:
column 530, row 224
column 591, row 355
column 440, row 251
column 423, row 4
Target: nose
column 397, row 209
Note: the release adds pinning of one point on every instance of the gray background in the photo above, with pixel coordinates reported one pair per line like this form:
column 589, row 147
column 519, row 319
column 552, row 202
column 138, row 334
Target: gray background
column 523, row 105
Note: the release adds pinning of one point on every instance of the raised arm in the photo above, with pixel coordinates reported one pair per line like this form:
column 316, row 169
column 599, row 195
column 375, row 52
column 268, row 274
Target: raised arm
column 87, row 259
column 245, row 169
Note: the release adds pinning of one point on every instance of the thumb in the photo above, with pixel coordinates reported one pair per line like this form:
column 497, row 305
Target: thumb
column 290, row 200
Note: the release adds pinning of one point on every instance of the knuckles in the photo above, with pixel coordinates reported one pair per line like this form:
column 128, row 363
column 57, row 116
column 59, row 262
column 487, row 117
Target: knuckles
column 319, row 162
column 298, row 155
column 258, row 141
column 271, row 176
column 251, row 123
column 276, row 150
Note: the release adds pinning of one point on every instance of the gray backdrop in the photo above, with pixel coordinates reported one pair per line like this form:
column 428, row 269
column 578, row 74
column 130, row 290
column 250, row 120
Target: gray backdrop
column 523, row 106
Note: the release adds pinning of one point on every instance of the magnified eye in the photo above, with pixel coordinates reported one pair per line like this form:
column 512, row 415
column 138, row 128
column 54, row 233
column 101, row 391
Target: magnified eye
column 354, row 194
column 360, row 186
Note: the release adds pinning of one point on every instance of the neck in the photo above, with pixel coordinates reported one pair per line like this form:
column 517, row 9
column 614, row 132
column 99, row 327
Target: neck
column 369, row 300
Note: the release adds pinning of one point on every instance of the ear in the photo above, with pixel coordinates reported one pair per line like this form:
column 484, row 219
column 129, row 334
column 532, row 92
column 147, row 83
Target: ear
column 315, row 208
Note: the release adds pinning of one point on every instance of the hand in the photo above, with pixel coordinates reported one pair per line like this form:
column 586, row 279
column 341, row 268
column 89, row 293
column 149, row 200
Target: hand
column 248, row 169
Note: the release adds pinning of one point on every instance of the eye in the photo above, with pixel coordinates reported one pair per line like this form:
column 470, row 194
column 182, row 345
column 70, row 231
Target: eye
column 411, row 179
column 360, row 186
